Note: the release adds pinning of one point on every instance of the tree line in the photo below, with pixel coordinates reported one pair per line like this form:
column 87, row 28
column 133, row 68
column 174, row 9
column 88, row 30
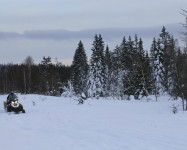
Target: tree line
column 43, row 78
column 130, row 70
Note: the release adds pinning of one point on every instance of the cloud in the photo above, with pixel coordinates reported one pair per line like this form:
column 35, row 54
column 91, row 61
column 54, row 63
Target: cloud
column 61, row 44
column 6, row 35
column 107, row 33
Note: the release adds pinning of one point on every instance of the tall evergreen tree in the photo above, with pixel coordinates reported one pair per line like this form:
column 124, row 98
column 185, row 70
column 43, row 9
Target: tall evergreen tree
column 182, row 65
column 179, row 77
column 108, row 71
column 45, row 68
column 155, row 64
column 97, row 76
column 172, row 70
column 148, row 74
column 185, row 54
column 79, row 70
column 117, row 87
column 128, row 60
column 184, row 13
column 125, row 54
column 140, row 64
column 184, row 89
column 165, row 40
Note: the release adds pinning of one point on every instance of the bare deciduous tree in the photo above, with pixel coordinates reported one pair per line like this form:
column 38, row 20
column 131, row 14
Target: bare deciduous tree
column 28, row 62
column 184, row 13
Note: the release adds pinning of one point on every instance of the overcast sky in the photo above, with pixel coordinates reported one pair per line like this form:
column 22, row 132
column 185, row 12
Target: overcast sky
column 54, row 27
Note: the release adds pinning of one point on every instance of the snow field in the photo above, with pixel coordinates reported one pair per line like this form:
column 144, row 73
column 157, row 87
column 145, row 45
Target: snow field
column 57, row 123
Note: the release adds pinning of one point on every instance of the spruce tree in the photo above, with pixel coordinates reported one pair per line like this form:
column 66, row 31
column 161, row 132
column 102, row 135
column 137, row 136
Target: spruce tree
column 140, row 64
column 184, row 88
column 125, row 54
column 155, row 65
column 165, row 40
column 45, row 69
column 179, row 87
column 172, row 70
column 97, row 76
column 45, row 66
column 117, row 88
column 79, row 70
column 148, row 74
column 128, row 59
column 108, row 71
column 184, row 13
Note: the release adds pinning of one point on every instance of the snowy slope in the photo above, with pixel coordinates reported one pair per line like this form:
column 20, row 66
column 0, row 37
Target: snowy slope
column 57, row 123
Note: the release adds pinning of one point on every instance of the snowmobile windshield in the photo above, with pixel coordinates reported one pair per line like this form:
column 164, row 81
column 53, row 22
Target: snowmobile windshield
column 12, row 97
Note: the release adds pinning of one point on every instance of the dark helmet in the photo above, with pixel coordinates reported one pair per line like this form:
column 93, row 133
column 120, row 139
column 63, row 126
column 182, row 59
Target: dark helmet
column 12, row 97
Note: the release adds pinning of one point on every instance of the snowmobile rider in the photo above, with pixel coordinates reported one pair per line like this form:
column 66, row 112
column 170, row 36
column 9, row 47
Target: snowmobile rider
column 13, row 105
column 11, row 97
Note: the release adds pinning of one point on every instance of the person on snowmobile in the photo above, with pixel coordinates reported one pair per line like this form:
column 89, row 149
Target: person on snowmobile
column 13, row 105
column 11, row 97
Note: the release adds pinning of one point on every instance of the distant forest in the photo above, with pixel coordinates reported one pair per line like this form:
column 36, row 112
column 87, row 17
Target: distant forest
column 124, row 71
column 42, row 78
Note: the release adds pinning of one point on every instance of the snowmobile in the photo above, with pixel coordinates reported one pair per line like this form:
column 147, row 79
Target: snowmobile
column 12, row 104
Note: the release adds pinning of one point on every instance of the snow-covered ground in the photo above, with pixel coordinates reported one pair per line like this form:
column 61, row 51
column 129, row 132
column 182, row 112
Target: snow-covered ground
column 58, row 123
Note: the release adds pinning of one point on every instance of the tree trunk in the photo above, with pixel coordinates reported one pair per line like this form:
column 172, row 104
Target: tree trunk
column 183, row 104
column 24, row 78
column 29, row 76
